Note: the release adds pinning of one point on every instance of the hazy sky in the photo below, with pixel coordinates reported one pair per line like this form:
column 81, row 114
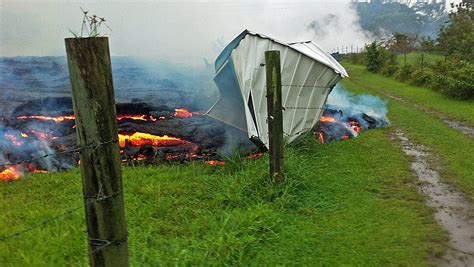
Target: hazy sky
column 182, row 31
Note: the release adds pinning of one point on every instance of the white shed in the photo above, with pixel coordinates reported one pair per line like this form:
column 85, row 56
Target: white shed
column 308, row 75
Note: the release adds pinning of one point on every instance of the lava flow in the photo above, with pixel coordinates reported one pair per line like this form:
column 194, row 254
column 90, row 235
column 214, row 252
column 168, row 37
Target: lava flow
column 140, row 139
column 56, row 119
column 10, row 174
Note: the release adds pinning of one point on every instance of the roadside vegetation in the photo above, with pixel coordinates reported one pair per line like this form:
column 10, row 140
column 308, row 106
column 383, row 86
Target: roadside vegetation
column 350, row 202
column 445, row 65
column 454, row 149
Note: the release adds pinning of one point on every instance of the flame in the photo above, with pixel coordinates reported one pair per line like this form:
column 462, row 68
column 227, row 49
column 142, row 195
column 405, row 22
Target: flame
column 41, row 135
column 327, row 119
column 57, row 119
column 215, row 162
column 140, row 139
column 321, row 137
column 13, row 139
column 182, row 113
column 24, row 135
column 143, row 117
column 255, row 155
column 9, row 174
column 133, row 117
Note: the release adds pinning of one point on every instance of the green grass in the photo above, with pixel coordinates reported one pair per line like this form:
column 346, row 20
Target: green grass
column 455, row 149
column 462, row 110
column 343, row 203
column 414, row 58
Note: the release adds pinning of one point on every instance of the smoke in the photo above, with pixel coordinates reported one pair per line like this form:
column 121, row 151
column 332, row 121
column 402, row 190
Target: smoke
column 176, row 31
column 352, row 104
column 368, row 110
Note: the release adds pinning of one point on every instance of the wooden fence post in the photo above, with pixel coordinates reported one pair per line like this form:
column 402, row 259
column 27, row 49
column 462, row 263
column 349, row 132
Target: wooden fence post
column 96, row 126
column 275, row 114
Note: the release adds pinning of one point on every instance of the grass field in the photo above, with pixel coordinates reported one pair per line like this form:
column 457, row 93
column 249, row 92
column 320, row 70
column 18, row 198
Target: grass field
column 369, row 82
column 455, row 149
column 414, row 58
column 344, row 203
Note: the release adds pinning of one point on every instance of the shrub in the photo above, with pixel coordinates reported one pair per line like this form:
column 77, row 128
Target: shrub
column 389, row 69
column 373, row 61
column 422, row 77
column 454, row 78
column 404, row 72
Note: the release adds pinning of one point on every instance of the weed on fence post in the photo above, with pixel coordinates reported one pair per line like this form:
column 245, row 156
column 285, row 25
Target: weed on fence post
column 275, row 114
column 94, row 108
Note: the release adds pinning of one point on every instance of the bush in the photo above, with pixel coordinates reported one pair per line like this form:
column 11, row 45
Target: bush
column 454, row 78
column 425, row 77
column 373, row 61
column 404, row 72
column 389, row 69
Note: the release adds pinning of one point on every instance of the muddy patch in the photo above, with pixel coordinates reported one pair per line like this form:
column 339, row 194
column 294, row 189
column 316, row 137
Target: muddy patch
column 453, row 210
column 455, row 124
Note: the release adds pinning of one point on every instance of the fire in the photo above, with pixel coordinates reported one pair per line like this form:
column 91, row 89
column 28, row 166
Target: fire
column 9, row 174
column 215, row 162
column 143, row 117
column 140, row 139
column 321, row 137
column 255, row 155
column 355, row 126
column 13, row 139
column 41, row 135
column 182, row 113
column 57, row 119
column 327, row 119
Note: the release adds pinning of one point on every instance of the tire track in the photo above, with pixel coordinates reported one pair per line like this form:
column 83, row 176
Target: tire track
column 454, row 212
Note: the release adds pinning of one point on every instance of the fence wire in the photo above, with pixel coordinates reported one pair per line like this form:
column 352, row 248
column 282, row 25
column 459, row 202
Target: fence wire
column 74, row 150
column 89, row 200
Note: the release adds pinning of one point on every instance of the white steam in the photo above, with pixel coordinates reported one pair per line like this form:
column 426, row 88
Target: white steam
column 352, row 104
column 177, row 31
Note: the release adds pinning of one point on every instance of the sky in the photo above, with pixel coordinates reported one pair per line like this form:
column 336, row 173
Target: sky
column 180, row 31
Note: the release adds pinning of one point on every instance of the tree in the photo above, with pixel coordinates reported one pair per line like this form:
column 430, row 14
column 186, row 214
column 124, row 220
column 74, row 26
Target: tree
column 373, row 61
column 457, row 37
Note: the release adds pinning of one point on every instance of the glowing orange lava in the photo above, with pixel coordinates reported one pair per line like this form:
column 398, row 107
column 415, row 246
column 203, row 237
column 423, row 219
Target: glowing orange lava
column 140, row 139
column 182, row 113
column 57, row 119
column 13, row 139
column 215, row 162
column 321, row 137
column 136, row 117
column 255, row 155
column 327, row 119
column 9, row 174
column 41, row 135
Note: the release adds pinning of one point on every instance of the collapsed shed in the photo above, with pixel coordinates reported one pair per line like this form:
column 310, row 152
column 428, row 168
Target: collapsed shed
column 308, row 75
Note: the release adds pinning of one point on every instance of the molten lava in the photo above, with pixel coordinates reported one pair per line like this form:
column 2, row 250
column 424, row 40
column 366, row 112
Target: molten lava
column 9, row 174
column 140, row 139
column 57, row 119
column 182, row 113
column 327, row 119
column 41, row 135
column 136, row 117
column 215, row 162
column 321, row 137
column 13, row 139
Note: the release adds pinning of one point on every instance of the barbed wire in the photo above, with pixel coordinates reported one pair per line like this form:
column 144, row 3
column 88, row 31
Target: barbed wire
column 307, row 86
column 300, row 108
column 74, row 150
column 89, row 200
